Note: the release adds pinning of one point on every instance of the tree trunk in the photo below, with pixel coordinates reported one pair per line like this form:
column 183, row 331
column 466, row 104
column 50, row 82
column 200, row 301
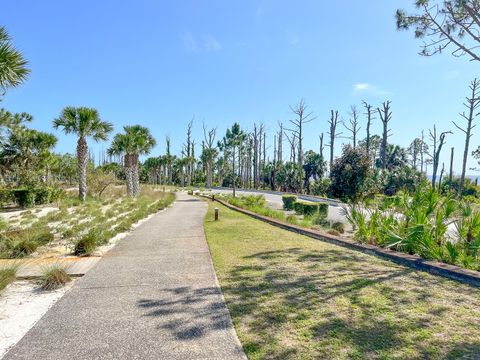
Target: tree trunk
column 450, row 175
column 128, row 174
column 233, row 168
column 82, row 156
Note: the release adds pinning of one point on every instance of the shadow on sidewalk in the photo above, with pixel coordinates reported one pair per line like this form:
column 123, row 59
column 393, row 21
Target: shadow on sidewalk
column 189, row 313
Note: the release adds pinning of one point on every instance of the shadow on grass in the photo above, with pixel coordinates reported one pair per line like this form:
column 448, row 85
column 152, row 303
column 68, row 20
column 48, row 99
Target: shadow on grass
column 188, row 313
column 334, row 302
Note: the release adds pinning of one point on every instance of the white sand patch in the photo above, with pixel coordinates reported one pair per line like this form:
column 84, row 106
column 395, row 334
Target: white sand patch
column 22, row 304
column 43, row 211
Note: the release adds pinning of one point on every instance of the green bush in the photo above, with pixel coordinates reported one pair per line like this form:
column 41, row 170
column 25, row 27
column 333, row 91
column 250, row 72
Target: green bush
column 306, row 208
column 24, row 197
column 42, row 195
column 6, row 197
column 288, row 201
column 338, row 226
column 323, row 209
column 321, row 220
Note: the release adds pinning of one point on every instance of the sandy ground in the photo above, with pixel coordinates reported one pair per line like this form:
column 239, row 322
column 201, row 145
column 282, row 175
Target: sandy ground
column 7, row 215
column 22, row 304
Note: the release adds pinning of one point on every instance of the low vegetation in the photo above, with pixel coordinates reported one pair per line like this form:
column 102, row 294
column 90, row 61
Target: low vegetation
column 293, row 297
column 434, row 226
column 81, row 226
column 54, row 278
column 7, row 276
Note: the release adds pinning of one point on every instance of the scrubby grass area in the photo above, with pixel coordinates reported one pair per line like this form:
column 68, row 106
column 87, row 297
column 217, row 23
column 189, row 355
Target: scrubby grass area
column 6, row 277
column 54, row 277
column 293, row 297
column 80, row 226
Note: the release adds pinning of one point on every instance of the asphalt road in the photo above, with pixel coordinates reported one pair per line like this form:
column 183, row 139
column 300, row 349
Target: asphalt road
column 153, row 296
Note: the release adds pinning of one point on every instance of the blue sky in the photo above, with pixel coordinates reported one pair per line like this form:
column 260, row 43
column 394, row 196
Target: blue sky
column 159, row 63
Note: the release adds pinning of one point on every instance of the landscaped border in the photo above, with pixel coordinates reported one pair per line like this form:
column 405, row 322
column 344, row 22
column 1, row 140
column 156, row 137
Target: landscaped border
column 446, row 270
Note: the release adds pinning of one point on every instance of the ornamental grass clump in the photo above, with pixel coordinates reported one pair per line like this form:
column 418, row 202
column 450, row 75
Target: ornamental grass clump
column 54, row 278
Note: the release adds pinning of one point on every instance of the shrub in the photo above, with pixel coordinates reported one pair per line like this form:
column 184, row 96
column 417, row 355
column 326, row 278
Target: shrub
column 87, row 244
column 54, row 278
column 349, row 173
column 323, row 209
column 24, row 197
column 190, row 192
column 6, row 197
column 23, row 248
column 333, row 232
column 7, row 276
column 338, row 226
column 42, row 195
column 320, row 187
column 288, row 201
column 292, row 219
column 306, row 208
column 318, row 219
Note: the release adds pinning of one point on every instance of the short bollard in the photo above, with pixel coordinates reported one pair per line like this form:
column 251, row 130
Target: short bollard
column 213, row 197
column 164, row 189
column 216, row 214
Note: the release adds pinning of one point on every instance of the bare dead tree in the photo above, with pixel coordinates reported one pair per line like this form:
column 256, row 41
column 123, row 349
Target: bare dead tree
column 453, row 24
column 257, row 140
column 293, row 146
column 450, row 175
column 321, row 145
column 422, row 152
column 303, row 116
column 441, row 175
column 333, row 122
column 209, row 152
column 280, row 143
column 187, row 152
column 370, row 116
column 437, row 143
column 472, row 103
column 353, row 128
column 385, row 114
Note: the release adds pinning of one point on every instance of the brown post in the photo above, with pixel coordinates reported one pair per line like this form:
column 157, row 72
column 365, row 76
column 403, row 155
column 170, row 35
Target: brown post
column 216, row 214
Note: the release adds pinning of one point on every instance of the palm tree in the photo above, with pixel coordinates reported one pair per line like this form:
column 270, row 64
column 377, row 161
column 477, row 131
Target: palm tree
column 135, row 141
column 84, row 122
column 13, row 70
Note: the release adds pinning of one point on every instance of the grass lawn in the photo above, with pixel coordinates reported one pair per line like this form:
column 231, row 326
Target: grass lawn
column 292, row 297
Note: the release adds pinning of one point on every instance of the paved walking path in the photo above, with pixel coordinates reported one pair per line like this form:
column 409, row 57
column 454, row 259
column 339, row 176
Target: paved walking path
column 153, row 296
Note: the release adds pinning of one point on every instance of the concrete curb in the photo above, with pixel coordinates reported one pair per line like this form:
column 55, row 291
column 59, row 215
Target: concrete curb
column 416, row 262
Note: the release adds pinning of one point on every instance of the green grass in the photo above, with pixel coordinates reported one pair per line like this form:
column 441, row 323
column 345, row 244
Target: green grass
column 293, row 297
column 7, row 276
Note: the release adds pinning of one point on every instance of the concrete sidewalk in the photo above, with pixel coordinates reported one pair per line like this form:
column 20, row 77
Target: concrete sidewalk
column 153, row 296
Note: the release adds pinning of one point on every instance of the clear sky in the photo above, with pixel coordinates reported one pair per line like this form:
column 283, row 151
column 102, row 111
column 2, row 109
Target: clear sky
column 159, row 63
